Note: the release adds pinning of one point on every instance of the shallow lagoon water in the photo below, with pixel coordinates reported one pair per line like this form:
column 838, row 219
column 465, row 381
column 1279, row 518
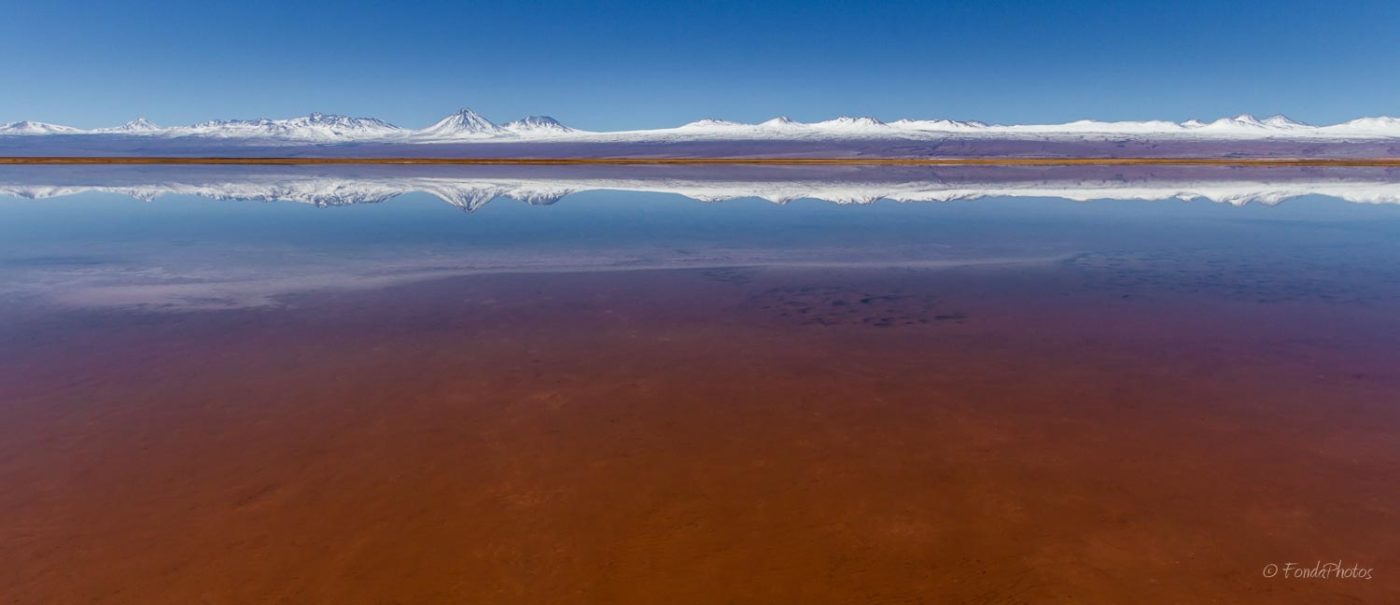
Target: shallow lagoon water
column 92, row 243
column 633, row 396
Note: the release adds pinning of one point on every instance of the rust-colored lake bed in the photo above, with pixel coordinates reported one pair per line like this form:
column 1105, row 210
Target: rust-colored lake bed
column 1019, row 402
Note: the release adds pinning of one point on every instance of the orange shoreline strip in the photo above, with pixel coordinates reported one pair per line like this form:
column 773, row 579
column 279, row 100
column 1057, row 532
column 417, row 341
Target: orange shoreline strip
column 872, row 161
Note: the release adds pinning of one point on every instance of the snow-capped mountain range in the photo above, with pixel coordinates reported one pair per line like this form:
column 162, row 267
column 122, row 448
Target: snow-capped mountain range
column 30, row 127
column 468, row 126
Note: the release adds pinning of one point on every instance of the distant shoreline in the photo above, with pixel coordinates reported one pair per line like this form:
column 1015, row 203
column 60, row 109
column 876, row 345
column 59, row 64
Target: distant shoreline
column 623, row 161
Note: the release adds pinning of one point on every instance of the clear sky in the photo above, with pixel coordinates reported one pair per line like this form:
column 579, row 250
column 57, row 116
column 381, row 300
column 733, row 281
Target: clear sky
column 613, row 65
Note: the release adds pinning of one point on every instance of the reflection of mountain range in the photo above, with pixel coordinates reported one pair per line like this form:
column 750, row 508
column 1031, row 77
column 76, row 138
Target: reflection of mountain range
column 473, row 187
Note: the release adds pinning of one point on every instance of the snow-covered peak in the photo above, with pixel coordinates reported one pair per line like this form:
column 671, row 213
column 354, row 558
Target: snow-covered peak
column 137, row 126
column 943, row 124
column 781, row 127
column 347, row 122
column 1377, row 127
column 1283, row 122
column 711, row 123
column 1128, row 127
column 1240, row 123
column 464, row 122
column 32, row 127
column 536, row 125
column 851, row 122
column 315, row 126
column 1376, row 122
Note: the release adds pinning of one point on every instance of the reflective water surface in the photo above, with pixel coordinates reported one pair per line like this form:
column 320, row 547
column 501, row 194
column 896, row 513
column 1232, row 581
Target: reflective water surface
column 984, row 385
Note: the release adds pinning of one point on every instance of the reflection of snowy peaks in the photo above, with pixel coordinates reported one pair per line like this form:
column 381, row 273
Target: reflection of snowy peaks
column 467, row 125
column 473, row 193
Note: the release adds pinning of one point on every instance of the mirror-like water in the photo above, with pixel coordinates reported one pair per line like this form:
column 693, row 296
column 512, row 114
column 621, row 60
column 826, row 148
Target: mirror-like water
column 1010, row 384
column 84, row 240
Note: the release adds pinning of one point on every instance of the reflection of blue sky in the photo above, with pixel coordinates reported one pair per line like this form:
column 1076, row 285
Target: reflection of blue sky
column 108, row 249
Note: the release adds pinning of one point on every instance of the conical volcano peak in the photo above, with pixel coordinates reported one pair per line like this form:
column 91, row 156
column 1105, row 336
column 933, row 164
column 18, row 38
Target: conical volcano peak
column 463, row 122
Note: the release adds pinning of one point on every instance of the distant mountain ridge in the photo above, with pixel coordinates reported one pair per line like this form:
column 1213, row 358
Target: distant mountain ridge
column 30, row 127
column 466, row 125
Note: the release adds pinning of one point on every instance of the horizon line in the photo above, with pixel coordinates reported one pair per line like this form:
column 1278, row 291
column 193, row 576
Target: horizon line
column 794, row 161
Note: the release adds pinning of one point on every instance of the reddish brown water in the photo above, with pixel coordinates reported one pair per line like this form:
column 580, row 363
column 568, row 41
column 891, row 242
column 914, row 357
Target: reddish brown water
column 1011, row 435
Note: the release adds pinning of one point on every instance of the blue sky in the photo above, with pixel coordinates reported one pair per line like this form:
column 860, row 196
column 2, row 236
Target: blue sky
column 611, row 65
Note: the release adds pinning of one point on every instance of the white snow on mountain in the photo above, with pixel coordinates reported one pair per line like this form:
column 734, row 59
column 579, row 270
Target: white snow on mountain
column 939, row 125
column 850, row 123
column 463, row 124
column 137, row 126
column 535, row 126
column 29, row 127
column 1366, row 127
column 314, row 127
column 466, row 125
column 1243, row 127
